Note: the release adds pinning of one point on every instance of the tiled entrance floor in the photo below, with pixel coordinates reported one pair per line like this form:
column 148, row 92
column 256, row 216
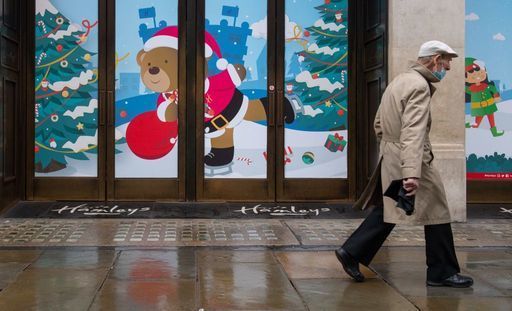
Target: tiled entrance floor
column 208, row 232
column 102, row 232
column 477, row 232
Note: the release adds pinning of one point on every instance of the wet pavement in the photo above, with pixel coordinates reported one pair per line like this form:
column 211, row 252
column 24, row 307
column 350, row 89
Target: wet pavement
column 237, row 265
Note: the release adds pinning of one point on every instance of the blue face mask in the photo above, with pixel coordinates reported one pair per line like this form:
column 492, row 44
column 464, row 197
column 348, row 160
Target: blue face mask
column 440, row 74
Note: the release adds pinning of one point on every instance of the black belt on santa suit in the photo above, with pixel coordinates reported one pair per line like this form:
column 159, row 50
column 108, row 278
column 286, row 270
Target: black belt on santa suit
column 222, row 120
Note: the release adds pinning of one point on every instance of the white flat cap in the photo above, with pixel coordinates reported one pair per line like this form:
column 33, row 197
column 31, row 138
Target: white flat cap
column 434, row 47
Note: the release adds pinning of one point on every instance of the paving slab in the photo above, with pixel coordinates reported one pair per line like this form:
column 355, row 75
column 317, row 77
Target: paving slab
column 19, row 256
column 315, row 265
column 410, row 280
column 462, row 303
column 491, row 266
column 76, row 259
column 9, row 272
column 52, row 289
column 156, row 265
column 246, row 286
column 212, row 256
column 150, row 295
column 343, row 294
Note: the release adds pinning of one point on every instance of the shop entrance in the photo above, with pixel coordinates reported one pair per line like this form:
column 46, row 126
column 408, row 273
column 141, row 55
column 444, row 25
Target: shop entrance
column 208, row 100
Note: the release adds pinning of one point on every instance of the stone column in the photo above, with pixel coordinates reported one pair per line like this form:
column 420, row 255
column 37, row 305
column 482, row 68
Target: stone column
column 412, row 22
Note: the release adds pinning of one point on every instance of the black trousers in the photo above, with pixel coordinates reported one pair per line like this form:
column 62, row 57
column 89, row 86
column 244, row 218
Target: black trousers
column 364, row 243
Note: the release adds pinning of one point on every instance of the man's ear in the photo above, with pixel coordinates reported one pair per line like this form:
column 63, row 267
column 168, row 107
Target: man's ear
column 140, row 57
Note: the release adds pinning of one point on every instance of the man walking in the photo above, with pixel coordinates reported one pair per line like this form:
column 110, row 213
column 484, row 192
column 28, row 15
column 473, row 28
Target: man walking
column 402, row 125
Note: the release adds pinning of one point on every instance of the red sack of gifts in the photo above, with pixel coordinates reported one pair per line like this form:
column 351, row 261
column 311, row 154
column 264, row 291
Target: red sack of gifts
column 149, row 138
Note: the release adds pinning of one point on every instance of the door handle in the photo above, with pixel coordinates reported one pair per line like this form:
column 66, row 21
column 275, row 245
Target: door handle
column 271, row 106
column 279, row 102
column 101, row 112
column 110, row 108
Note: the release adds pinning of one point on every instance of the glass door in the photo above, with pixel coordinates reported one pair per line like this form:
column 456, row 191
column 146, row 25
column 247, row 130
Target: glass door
column 146, row 77
column 313, row 100
column 275, row 103
column 235, row 103
column 68, row 108
column 107, row 75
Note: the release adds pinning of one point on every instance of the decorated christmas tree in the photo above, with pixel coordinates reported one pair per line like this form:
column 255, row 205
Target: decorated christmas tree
column 295, row 67
column 66, row 103
column 322, row 82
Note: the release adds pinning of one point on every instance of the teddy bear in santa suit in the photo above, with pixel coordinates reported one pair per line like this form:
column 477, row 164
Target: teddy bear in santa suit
column 153, row 134
column 226, row 106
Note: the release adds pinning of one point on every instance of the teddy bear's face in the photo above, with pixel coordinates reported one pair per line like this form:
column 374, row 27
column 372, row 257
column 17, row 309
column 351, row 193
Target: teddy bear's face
column 159, row 69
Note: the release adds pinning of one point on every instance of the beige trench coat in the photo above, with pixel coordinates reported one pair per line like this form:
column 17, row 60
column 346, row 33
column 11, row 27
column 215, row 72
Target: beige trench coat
column 402, row 125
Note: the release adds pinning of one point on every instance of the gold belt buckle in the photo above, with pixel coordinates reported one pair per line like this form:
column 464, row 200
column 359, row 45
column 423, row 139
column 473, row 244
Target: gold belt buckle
column 483, row 104
column 220, row 116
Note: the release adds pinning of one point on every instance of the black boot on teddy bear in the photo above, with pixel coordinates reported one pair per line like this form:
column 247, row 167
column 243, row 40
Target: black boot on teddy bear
column 219, row 156
column 289, row 113
column 264, row 102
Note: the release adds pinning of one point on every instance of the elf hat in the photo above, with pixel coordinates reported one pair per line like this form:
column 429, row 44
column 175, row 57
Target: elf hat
column 470, row 63
column 168, row 37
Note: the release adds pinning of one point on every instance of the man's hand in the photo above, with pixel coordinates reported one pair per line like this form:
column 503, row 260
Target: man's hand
column 411, row 185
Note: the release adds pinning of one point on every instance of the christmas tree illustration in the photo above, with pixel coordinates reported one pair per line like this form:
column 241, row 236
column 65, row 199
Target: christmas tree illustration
column 66, row 105
column 321, row 82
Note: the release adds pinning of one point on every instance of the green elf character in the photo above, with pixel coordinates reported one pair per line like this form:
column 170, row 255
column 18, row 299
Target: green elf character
column 482, row 94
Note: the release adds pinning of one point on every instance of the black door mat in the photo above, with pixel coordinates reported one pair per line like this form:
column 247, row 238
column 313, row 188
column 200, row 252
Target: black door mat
column 150, row 210
column 489, row 211
column 194, row 210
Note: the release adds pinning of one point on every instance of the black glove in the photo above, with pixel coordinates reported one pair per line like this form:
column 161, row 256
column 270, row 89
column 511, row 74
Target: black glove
column 405, row 202
column 397, row 192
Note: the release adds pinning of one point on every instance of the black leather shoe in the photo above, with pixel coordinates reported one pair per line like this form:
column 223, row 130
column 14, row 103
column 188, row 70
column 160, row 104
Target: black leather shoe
column 350, row 265
column 456, row 280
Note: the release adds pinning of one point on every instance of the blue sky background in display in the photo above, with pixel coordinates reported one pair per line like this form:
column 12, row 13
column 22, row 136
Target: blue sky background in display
column 127, row 39
column 304, row 15
column 127, row 26
column 250, row 12
column 76, row 14
column 485, row 20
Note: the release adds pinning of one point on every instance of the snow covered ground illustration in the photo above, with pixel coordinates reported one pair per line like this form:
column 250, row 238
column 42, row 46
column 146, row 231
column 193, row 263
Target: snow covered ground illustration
column 479, row 141
column 249, row 160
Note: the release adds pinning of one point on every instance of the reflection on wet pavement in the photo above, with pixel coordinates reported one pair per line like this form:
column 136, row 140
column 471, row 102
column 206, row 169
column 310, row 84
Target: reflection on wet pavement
column 209, row 278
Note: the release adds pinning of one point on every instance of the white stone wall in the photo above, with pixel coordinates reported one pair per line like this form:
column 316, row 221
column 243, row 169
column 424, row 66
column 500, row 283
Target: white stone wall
column 412, row 22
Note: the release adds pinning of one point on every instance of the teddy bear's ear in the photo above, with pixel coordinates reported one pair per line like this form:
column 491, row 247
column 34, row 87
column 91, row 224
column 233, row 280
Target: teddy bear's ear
column 140, row 56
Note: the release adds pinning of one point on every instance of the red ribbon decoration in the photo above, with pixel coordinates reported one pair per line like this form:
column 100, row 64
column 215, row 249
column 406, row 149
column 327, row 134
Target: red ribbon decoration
column 87, row 24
